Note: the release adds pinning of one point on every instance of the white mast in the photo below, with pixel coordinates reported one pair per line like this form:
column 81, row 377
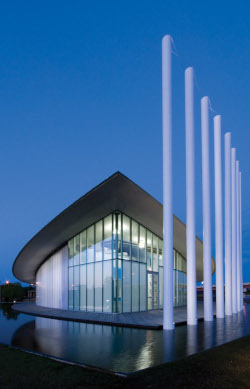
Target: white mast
column 234, row 230
column 168, row 311
column 228, row 226
column 218, row 218
column 190, row 198
column 207, row 258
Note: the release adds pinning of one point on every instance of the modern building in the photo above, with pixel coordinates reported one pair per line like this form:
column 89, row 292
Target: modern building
column 104, row 253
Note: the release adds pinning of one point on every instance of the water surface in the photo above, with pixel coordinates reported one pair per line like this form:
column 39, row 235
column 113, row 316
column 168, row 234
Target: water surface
column 115, row 348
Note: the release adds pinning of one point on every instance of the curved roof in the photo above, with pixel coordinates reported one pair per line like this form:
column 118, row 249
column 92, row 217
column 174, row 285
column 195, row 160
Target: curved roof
column 116, row 193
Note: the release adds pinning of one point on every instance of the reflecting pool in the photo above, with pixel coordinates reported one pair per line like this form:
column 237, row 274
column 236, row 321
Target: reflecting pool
column 115, row 348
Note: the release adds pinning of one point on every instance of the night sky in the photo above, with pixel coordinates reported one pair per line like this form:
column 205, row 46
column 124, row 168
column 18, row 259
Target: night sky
column 80, row 98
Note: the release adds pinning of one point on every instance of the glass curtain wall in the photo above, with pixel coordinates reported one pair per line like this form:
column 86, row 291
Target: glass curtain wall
column 116, row 265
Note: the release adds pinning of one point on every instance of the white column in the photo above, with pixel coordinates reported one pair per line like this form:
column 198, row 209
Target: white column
column 234, row 230
column 218, row 218
column 241, row 265
column 190, row 198
column 238, row 234
column 207, row 257
column 168, row 312
column 228, row 226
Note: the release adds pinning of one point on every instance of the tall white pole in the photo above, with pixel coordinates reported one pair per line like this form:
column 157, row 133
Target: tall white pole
column 234, row 230
column 218, row 218
column 238, row 234
column 207, row 257
column 241, row 267
column 190, row 198
column 168, row 310
column 228, row 226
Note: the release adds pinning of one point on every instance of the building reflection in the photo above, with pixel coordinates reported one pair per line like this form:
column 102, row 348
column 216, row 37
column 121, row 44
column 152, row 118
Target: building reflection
column 125, row 349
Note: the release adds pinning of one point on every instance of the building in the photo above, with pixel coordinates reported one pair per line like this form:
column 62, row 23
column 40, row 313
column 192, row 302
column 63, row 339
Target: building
column 104, row 253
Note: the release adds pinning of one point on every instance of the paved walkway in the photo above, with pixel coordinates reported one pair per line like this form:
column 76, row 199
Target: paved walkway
column 147, row 320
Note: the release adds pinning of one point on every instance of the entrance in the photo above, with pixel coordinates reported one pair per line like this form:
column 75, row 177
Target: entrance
column 153, row 290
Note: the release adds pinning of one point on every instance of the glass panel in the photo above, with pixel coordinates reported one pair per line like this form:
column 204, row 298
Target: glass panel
column 90, row 244
column 126, row 286
column 143, row 283
column 107, row 243
column 160, row 252
column 76, row 288
column 119, row 235
column 115, row 228
column 83, row 286
column 71, row 252
column 155, row 253
column 135, row 232
column 135, row 286
column 83, row 247
column 114, row 309
column 142, row 244
column 107, row 286
column 76, row 250
column 150, row 291
column 135, row 241
column 90, row 287
column 119, row 287
column 98, row 287
column 160, row 287
column 155, row 287
column 98, row 241
column 149, row 250
column 126, row 246
column 71, row 286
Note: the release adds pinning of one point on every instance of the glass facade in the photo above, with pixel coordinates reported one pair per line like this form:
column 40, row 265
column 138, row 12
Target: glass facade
column 116, row 265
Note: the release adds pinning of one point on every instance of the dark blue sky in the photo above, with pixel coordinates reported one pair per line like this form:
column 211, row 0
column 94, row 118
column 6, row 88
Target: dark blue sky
column 80, row 98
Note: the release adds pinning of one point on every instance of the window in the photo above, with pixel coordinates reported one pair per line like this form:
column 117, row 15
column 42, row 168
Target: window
column 149, row 250
column 126, row 237
column 76, row 250
column 107, row 286
column 155, row 253
column 107, row 243
column 90, row 287
column 71, row 252
column 71, row 286
column 143, row 287
column 90, row 244
column 98, row 241
column 142, row 244
column 135, row 287
column 83, row 287
column 83, row 247
column 126, row 286
column 135, row 241
column 98, row 286
column 76, row 288
column 160, row 252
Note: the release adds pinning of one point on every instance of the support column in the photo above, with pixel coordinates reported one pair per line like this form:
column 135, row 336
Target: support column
column 218, row 219
column 168, row 311
column 238, row 234
column 207, row 257
column 234, row 231
column 190, row 198
column 241, row 265
column 228, row 226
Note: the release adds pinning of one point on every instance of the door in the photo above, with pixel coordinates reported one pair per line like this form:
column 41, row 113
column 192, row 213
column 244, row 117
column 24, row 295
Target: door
column 153, row 290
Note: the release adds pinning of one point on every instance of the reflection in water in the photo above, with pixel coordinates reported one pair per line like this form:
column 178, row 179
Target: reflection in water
column 125, row 349
column 7, row 312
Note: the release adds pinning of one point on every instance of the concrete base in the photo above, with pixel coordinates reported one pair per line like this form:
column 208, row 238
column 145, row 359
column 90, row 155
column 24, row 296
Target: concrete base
column 147, row 320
